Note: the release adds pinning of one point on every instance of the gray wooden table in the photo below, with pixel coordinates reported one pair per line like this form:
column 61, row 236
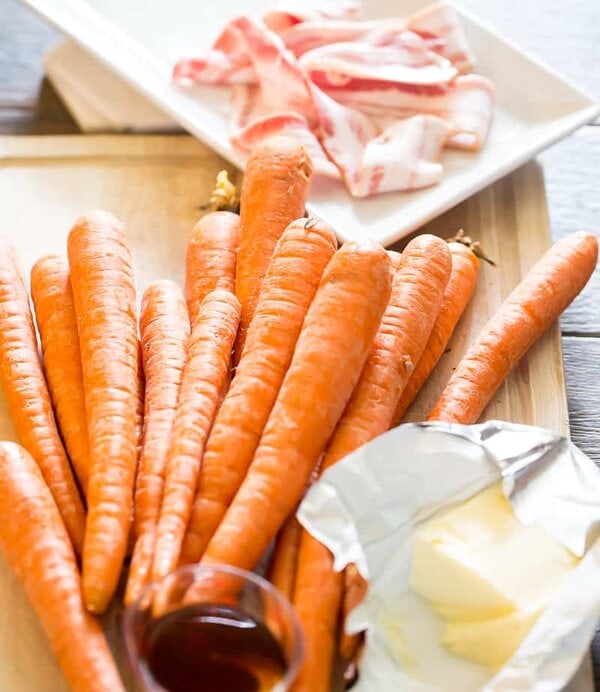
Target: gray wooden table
column 564, row 35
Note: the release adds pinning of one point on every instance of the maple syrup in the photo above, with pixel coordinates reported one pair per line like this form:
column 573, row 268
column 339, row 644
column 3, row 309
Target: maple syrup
column 212, row 648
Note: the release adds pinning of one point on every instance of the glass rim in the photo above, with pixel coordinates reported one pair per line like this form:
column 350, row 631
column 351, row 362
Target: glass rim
column 131, row 610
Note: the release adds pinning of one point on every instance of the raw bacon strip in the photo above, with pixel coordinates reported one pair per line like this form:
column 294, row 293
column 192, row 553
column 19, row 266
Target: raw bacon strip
column 404, row 157
column 441, row 23
column 304, row 37
column 226, row 63
column 301, row 11
column 466, row 103
column 344, row 134
column 404, row 59
column 283, row 85
column 291, row 125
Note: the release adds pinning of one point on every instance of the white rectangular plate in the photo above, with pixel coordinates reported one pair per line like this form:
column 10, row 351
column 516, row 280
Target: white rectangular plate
column 142, row 40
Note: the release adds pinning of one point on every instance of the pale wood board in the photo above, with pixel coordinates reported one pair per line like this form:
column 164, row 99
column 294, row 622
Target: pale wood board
column 156, row 185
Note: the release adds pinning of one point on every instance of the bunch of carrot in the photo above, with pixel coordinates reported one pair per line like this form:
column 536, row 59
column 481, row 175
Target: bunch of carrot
column 196, row 439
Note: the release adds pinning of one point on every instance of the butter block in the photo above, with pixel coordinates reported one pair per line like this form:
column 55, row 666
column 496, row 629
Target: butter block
column 487, row 575
column 489, row 642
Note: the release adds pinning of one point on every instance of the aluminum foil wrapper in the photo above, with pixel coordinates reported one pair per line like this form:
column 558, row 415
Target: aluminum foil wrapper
column 366, row 508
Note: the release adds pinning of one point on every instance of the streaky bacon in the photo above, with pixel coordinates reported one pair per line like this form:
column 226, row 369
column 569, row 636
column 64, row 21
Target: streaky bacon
column 403, row 157
column 441, row 24
column 466, row 103
column 290, row 14
column 309, row 35
column 406, row 60
column 291, row 124
column 374, row 102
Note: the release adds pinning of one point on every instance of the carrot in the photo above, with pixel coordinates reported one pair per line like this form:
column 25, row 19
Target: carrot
column 27, row 394
column 290, row 284
column 332, row 348
column 355, row 590
column 274, row 192
column 284, row 560
column 37, row 547
column 204, row 376
column 55, row 315
column 282, row 570
column 549, row 287
column 465, row 267
column 104, row 296
column 421, row 276
column 140, row 395
column 165, row 330
column 210, row 257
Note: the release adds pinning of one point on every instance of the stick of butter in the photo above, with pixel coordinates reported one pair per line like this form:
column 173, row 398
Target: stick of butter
column 487, row 575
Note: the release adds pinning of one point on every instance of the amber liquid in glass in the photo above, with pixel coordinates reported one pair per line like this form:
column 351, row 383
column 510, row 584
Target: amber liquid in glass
column 212, row 648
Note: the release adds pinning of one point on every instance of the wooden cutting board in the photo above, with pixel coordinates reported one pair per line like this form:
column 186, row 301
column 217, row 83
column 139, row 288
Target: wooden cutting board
column 156, row 185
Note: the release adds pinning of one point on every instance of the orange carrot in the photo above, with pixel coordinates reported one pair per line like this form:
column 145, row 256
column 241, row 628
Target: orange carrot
column 332, row 348
column 274, row 192
column 284, row 560
column 140, row 395
column 355, row 590
column 282, row 570
column 421, row 276
column 290, row 284
column 104, row 296
column 210, row 258
column 37, row 547
column 549, row 287
column 204, row 376
column 165, row 330
column 55, row 315
column 465, row 267
column 27, row 394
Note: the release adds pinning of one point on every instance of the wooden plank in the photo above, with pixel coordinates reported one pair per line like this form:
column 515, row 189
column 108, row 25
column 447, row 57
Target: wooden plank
column 572, row 172
column 24, row 38
column 582, row 356
column 13, row 150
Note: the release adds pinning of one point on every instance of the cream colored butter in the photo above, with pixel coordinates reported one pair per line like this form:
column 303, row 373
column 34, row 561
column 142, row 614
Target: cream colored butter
column 487, row 575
